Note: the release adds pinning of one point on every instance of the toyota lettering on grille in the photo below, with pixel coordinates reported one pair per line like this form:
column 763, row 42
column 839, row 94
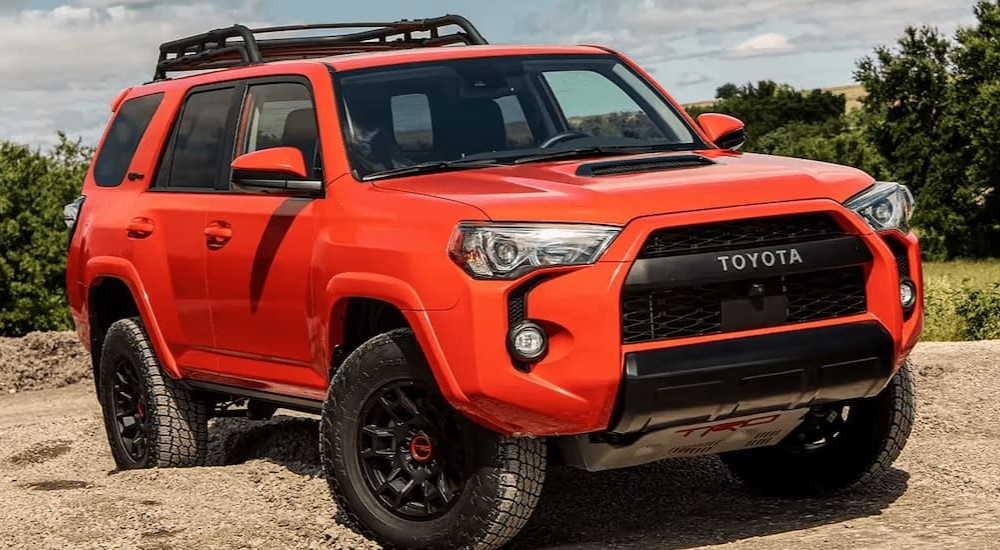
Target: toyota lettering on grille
column 758, row 260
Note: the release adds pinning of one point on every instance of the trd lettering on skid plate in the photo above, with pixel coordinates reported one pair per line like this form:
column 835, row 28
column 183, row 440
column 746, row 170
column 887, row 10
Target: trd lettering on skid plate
column 731, row 426
column 757, row 260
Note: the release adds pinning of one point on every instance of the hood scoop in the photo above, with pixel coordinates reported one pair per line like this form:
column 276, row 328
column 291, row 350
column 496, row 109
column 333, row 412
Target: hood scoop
column 644, row 164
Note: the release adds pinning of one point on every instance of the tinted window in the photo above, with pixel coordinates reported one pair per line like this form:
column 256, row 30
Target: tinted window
column 281, row 115
column 199, row 141
column 123, row 139
column 501, row 109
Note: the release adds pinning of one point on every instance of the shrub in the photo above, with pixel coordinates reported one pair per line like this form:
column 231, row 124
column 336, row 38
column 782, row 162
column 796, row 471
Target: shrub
column 979, row 309
column 34, row 186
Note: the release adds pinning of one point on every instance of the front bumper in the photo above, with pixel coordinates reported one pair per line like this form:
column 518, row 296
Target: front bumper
column 785, row 371
column 583, row 385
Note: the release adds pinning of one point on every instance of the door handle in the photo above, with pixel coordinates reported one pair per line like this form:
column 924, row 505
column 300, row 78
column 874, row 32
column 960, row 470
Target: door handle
column 217, row 234
column 139, row 228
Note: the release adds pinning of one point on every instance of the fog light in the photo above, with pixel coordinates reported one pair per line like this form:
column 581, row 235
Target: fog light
column 527, row 342
column 907, row 294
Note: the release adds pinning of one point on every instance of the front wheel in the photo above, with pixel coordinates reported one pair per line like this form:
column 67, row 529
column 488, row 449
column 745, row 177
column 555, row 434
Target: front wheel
column 837, row 448
column 407, row 469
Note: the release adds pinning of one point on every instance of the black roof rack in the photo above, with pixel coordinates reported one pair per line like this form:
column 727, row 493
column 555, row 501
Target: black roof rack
column 215, row 49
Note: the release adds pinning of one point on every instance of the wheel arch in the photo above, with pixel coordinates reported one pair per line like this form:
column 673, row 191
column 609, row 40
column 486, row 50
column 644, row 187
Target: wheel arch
column 114, row 291
column 381, row 303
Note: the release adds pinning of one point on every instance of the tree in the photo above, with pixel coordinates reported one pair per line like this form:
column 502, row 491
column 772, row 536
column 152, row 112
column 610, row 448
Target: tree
column 767, row 106
column 977, row 85
column 849, row 147
column 34, row 186
column 933, row 111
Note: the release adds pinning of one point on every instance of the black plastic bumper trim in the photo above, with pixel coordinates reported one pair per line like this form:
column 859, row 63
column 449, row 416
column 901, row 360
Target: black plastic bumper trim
column 706, row 382
column 749, row 263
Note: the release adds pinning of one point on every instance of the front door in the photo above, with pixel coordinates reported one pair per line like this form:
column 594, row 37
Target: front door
column 259, row 264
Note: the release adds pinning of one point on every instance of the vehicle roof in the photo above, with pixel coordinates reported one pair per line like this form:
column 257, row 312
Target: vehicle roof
column 352, row 61
column 347, row 62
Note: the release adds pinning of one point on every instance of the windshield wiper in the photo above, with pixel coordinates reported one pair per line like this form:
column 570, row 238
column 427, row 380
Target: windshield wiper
column 431, row 167
column 598, row 150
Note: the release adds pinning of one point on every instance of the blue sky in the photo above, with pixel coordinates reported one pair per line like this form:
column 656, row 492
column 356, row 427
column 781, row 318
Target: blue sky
column 79, row 53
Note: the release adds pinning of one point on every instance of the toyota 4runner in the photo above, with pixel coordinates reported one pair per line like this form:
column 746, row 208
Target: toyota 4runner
column 473, row 261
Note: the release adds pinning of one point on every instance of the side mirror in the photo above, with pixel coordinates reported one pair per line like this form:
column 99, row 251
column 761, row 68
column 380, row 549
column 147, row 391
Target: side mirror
column 275, row 170
column 725, row 131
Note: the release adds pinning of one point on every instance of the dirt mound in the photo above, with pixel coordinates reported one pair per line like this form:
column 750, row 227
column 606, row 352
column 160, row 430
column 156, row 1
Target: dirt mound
column 42, row 360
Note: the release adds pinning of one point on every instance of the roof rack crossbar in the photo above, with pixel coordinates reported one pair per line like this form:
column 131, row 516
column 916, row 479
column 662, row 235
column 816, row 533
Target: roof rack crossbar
column 216, row 48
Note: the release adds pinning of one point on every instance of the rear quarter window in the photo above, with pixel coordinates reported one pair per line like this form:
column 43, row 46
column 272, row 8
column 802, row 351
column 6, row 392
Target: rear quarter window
column 123, row 139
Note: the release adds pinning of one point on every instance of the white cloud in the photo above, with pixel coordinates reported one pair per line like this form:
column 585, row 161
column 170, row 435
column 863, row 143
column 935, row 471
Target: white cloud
column 691, row 78
column 771, row 43
column 640, row 26
column 69, row 62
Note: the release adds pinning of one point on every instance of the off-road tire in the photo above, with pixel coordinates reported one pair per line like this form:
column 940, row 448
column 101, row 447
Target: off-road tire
column 176, row 420
column 498, row 498
column 876, row 433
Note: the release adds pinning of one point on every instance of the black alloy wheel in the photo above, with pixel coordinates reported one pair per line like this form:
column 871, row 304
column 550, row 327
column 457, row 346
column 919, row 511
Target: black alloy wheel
column 412, row 451
column 150, row 419
column 130, row 411
column 410, row 471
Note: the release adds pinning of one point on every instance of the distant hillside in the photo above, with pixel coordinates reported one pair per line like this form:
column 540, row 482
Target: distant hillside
column 853, row 92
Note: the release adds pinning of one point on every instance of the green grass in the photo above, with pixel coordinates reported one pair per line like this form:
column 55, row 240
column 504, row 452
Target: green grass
column 961, row 300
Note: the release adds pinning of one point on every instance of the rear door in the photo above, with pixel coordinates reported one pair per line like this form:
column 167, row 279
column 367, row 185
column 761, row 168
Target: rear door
column 167, row 230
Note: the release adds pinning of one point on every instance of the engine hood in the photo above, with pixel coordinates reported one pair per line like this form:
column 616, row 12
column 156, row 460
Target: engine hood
column 552, row 191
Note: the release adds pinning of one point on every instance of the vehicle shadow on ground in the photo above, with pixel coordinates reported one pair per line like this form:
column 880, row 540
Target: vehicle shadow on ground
column 292, row 442
column 673, row 504
column 678, row 504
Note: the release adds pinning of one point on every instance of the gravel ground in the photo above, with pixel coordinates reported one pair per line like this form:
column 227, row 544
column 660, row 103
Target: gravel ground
column 264, row 488
column 42, row 360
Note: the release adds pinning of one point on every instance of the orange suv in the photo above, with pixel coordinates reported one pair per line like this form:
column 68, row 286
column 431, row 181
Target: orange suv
column 474, row 261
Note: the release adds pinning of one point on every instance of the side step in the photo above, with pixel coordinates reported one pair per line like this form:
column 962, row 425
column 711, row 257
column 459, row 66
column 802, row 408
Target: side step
column 284, row 401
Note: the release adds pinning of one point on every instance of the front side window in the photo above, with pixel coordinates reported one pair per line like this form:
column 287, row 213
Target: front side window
column 280, row 114
column 500, row 109
column 197, row 148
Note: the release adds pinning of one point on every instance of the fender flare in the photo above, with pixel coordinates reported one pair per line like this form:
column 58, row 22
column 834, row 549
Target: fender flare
column 102, row 267
column 400, row 294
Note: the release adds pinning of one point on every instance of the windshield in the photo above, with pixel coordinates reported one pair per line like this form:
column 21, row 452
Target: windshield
column 501, row 109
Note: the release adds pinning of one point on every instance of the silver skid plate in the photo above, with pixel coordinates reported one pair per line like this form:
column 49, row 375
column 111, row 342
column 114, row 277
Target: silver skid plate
column 732, row 434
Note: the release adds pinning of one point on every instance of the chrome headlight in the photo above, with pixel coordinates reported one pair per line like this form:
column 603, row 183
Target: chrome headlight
column 508, row 251
column 884, row 206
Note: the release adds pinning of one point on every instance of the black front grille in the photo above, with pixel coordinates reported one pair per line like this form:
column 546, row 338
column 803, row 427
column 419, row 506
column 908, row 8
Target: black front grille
column 777, row 230
column 660, row 314
column 747, row 299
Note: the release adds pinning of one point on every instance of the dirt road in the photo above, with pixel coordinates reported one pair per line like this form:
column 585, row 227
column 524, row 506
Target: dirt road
column 264, row 488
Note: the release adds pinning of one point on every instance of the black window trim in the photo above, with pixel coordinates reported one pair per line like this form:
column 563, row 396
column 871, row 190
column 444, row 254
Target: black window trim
column 167, row 153
column 224, row 170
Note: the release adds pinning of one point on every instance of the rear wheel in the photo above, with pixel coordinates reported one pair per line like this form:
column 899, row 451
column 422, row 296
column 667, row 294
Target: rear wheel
column 837, row 447
column 407, row 469
column 150, row 420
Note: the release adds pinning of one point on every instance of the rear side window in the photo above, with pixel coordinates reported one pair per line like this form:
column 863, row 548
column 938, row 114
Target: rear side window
column 197, row 146
column 123, row 139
